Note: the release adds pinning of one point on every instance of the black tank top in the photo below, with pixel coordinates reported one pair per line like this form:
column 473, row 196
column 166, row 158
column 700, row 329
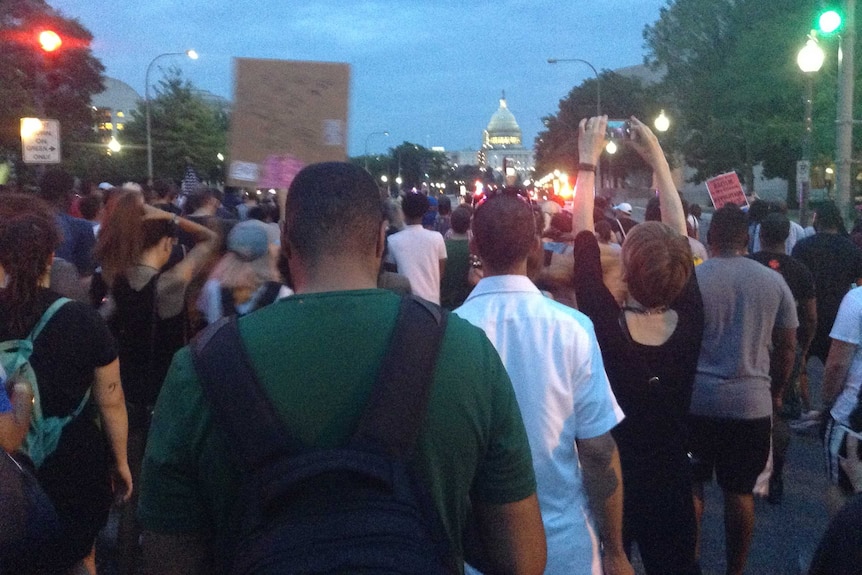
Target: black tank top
column 146, row 342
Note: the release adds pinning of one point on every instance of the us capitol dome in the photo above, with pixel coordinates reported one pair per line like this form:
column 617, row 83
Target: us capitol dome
column 501, row 143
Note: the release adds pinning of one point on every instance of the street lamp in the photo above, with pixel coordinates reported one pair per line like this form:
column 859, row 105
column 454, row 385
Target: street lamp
column 598, row 98
column 596, row 72
column 191, row 54
column 810, row 60
column 368, row 137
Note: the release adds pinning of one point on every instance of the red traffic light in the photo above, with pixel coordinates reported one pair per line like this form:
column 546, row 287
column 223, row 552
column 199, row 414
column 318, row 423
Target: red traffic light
column 49, row 40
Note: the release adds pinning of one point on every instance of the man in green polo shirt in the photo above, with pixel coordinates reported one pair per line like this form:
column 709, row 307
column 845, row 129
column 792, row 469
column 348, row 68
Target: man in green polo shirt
column 317, row 353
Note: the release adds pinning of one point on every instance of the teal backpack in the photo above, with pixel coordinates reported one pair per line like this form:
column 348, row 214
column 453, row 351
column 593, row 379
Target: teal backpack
column 44, row 433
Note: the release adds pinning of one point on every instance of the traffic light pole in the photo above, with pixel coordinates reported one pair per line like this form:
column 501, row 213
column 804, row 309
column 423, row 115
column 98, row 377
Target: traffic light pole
column 844, row 120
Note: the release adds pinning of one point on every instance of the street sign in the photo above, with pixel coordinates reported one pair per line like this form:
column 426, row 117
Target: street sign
column 40, row 144
column 803, row 171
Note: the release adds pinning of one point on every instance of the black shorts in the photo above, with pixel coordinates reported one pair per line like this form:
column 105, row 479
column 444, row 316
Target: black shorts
column 736, row 449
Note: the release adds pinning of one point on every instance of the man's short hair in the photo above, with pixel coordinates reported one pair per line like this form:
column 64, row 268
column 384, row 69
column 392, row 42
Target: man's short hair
column 774, row 229
column 164, row 189
column 332, row 208
column 414, row 205
column 504, row 229
column 56, row 186
column 460, row 219
column 827, row 216
column 728, row 229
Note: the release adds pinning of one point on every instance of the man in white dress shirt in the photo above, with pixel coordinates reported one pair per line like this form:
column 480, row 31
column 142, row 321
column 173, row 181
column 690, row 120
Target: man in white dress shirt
column 553, row 359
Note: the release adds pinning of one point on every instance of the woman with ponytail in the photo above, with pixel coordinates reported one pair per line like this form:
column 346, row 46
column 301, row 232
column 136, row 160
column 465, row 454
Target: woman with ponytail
column 147, row 304
column 74, row 353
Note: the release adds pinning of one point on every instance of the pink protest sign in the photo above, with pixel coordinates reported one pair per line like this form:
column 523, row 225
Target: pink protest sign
column 279, row 171
column 726, row 189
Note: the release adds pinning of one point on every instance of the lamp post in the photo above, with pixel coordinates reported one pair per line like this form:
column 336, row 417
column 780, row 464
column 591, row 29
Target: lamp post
column 598, row 97
column 844, row 118
column 191, row 54
column 810, row 60
column 368, row 137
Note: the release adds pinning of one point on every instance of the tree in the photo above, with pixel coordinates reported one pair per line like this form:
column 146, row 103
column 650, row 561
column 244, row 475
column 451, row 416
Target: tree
column 185, row 127
column 731, row 69
column 622, row 97
column 58, row 84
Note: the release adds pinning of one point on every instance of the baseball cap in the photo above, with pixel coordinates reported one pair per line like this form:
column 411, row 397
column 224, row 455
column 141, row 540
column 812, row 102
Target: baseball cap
column 106, row 186
column 624, row 207
column 248, row 240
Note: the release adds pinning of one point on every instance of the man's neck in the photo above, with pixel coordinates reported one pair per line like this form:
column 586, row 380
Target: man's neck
column 518, row 269
column 727, row 252
column 773, row 249
column 336, row 274
column 413, row 221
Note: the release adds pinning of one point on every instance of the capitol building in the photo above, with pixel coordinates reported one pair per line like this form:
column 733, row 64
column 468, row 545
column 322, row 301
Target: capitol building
column 501, row 145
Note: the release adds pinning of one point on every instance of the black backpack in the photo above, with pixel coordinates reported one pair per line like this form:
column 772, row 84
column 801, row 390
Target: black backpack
column 353, row 509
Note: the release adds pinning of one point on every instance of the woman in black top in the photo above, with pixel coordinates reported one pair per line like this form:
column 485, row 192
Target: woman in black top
column 650, row 348
column 73, row 353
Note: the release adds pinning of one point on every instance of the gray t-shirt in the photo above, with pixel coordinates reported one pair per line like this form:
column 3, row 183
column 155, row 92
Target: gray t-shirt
column 743, row 301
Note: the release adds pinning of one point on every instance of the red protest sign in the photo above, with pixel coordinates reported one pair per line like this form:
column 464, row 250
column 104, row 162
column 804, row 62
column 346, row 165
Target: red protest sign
column 726, row 189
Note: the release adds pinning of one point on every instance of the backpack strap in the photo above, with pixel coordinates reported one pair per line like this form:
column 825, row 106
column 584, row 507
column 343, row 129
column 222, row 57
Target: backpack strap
column 46, row 317
column 253, row 426
column 227, row 303
column 390, row 422
column 399, row 400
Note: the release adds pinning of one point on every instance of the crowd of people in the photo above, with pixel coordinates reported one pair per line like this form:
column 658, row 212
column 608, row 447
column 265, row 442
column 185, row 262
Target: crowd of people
column 593, row 373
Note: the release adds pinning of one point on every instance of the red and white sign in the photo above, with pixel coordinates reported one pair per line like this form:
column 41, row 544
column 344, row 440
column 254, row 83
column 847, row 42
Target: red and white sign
column 726, row 189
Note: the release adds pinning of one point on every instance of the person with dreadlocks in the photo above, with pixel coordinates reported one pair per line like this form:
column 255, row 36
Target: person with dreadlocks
column 77, row 371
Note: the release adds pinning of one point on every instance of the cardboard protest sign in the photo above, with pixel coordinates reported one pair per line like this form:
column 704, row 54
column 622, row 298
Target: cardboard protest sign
column 286, row 114
column 726, row 189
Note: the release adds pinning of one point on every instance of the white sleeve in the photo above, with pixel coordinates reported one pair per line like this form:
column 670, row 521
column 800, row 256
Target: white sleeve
column 848, row 323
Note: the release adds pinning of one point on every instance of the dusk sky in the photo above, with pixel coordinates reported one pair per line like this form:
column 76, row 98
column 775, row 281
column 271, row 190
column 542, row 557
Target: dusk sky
column 430, row 72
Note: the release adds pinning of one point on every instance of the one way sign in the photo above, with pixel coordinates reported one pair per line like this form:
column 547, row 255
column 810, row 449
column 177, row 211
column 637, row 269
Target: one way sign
column 40, row 141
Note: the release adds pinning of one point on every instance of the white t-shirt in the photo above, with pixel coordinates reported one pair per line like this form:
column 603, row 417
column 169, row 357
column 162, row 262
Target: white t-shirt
column 848, row 328
column 552, row 356
column 417, row 252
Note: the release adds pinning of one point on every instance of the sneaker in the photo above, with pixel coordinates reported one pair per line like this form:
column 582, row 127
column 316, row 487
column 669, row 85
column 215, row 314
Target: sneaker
column 811, row 415
column 803, row 424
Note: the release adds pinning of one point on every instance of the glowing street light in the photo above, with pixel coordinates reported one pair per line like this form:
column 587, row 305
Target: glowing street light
column 810, row 58
column 188, row 53
column 611, row 147
column 114, row 146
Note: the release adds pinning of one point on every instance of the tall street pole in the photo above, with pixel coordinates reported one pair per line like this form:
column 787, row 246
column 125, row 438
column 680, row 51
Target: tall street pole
column 844, row 120
column 598, row 101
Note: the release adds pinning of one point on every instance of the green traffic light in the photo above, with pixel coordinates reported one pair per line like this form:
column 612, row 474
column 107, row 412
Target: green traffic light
column 829, row 21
